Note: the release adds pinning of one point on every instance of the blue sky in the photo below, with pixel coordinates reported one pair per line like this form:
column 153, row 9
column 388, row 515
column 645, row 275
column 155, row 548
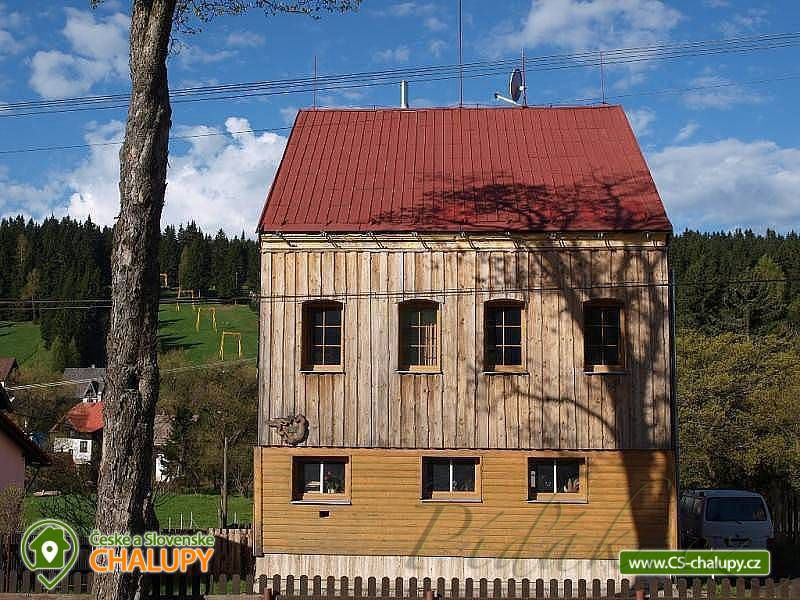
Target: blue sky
column 726, row 155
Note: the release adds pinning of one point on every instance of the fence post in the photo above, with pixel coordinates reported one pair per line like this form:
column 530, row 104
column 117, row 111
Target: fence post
column 303, row 585
column 398, row 587
column 316, row 586
column 595, row 588
column 290, row 585
column 330, row 586
column 468, row 587
column 483, row 588
column 625, row 588
column 582, row 589
column 372, row 587
column 454, row 588
column 497, row 588
column 511, row 588
column 540, row 588
column 554, row 588
column 440, row 588
column 682, row 589
column 384, row 587
column 611, row 588
column 358, row 591
column 412, row 587
column 344, row 587
column 526, row 588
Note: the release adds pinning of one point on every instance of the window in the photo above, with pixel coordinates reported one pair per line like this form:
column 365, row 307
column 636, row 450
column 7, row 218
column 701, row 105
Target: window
column 735, row 509
column 556, row 479
column 419, row 338
column 322, row 322
column 603, row 334
column 503, row 336
column 450, row 478
column 84, row 447
column 321, row 479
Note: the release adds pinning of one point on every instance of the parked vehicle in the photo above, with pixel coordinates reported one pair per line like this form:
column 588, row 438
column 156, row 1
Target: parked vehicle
column 724, row 519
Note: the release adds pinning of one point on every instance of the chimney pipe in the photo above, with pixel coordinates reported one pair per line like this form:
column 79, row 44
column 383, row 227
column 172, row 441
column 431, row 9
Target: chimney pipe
column 404, row 94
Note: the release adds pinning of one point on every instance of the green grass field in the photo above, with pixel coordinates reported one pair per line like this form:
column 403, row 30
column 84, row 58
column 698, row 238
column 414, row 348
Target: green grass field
column 199, row 509
column 177, row 332
column 22, row 341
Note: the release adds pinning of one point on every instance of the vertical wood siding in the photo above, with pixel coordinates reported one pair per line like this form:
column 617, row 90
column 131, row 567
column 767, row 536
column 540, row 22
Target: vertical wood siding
column 552, row 404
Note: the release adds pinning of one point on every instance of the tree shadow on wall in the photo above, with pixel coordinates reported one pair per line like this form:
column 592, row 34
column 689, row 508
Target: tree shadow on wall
column 629, row 411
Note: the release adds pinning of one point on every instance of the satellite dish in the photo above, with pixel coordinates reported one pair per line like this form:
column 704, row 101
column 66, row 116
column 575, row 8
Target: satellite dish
column 515, row 86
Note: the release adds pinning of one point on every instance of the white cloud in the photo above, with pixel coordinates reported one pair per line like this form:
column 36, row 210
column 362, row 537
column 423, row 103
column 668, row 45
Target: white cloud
column 741, row 23
column 8, row 44
column 221, row 181
column 288, row 114
column 728, row 184
column 640, row 121
column 718, row 93
column 9, row 21
column 99, row 50
column 434, row 24
column 436, row 47
column 396, row 55
column 57, row 74
column 245, row 39
column 686, row 132
column 191, row 55
column 586, row 24
column 405, row 9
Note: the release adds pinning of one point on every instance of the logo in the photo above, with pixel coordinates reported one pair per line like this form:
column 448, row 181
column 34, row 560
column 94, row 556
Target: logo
column 49, row 545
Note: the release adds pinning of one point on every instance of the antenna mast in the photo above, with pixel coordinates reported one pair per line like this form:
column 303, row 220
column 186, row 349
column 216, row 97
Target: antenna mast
column 460, row 59
column 602, row 78
column 524, row 81
column 314, row 93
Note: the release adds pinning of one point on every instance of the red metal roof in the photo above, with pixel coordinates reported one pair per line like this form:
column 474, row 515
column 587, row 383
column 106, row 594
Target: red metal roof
column 463, row 169
column 86, row 417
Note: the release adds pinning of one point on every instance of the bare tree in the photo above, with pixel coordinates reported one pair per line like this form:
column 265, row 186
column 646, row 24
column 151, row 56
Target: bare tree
column 125, row 494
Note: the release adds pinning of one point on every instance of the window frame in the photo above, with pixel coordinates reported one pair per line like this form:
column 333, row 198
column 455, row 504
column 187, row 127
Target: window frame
column 416, row 305
column 299, row 496
column 307, row 365
column 580, row 497
column 451, row 496
column 620, row 366
column 488, row 366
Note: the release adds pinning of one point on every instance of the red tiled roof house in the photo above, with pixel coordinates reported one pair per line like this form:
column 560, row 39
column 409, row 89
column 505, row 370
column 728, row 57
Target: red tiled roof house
column 465, row 351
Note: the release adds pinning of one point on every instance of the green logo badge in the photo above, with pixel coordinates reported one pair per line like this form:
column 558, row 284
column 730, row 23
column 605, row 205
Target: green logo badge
column 49, row 545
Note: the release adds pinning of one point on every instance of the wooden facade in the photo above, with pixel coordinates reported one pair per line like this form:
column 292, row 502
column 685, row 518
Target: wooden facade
column 552, row 403
column 627, row 506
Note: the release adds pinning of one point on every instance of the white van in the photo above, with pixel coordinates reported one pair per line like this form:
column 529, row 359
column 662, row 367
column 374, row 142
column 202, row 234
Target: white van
column 724, row 519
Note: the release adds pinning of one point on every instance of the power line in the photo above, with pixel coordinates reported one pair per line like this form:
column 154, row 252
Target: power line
column 52, row 384
column 589, row 59
column 278, row 129
column 56, row 304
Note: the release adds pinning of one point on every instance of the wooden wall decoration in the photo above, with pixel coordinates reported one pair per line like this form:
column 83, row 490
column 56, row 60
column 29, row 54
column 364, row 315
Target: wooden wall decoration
column 291, row 430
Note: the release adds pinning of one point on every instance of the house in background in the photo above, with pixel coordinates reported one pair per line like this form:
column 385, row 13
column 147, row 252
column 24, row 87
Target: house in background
column 16, row 449
column 80, row 433
column 465, row 347
column 8, row 366
column 90, row 382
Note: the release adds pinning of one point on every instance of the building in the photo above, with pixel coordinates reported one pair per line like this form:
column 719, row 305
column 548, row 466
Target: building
column 465, row 347
column 80, row 433
column 89, row 382
column 8, row 366
column 16, row 448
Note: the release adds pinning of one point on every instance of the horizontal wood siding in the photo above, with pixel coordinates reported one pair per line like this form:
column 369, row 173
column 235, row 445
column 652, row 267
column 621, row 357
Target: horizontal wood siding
column 552, row 404
column 629, row 506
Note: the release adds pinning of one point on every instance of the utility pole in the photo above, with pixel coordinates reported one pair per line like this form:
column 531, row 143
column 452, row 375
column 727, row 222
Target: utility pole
column 223, row 517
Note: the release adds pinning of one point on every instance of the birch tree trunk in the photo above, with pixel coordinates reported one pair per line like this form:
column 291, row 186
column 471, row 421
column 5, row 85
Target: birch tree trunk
column 125, row 502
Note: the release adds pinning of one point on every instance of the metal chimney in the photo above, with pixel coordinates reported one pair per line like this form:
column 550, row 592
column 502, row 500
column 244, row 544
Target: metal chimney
column 404, row 94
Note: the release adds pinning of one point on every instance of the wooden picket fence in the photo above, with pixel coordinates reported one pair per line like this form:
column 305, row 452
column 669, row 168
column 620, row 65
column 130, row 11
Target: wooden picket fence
column 196, row 585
